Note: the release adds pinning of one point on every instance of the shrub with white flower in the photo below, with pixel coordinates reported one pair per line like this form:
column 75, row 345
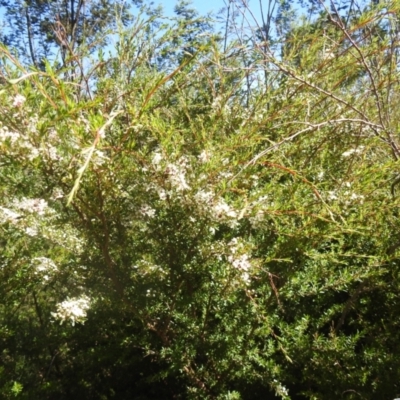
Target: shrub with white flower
column 73, row 310
column 215, row 214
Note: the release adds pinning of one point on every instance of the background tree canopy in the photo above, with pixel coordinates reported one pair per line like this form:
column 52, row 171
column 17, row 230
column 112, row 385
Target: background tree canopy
column 193, row 214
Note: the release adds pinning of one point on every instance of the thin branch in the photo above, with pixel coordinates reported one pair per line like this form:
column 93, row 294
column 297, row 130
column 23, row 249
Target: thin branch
column 30, row 37
column 309, row 128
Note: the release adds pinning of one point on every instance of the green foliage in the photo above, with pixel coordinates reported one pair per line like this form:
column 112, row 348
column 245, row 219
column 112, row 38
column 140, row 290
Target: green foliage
column 174, row 225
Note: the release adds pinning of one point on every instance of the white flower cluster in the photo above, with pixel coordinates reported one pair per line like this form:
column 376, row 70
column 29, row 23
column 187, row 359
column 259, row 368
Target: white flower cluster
column 27, row 215
column 176, row 171
column 220, row 210
column 65, row 236
column 328, row 54
column 347, row 197
column 358, row 150
column 281, row 390
column 99, row 158
column 19, row 100
column 50, row 150
column 73, row 310
column 204, row 156
column 5, row 135
column 177, row 176
column 147, row 211
column 44, row 266
column 218, row 105
column 239, row 261
column 25, row 142
column 258, row 209
column 32, row 231
column 257, row 219
column 204, row 196
column 18, row 142
column 38, row 206
column 8, row 215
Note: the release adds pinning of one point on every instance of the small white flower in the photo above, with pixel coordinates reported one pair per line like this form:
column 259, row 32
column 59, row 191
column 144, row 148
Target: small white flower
column 216, row 104
column 177, row 177
column 233, row 243
column 57, row 194
column 348, row 153
column 255, row 179
column 225, row 161
column 225, row 175
column 256, row 219
column 147, row 211
column 204, row 156
column 157, row 158
column 52, row 153
column 99, row 158
column 239, row 261
column 162, row 194
column 53, row 135
column 38, row 206
column 34, row 152
column 9, row 215
column 222, row 209
column 358, row 150
column 354, row 197
column 6, row 134
column 203, row 196
column 242, row 262
column 246, row 277
column 262, row 199
column 329, row 54
column 19, row 100
column 31, row 231
column 332, row 195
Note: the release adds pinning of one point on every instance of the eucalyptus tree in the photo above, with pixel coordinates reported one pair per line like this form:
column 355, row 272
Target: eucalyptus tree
column 41, row 29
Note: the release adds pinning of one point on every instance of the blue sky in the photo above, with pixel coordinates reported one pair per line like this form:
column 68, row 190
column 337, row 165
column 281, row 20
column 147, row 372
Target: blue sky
column 215, row 6
column 202, row 6
column 205, row 6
